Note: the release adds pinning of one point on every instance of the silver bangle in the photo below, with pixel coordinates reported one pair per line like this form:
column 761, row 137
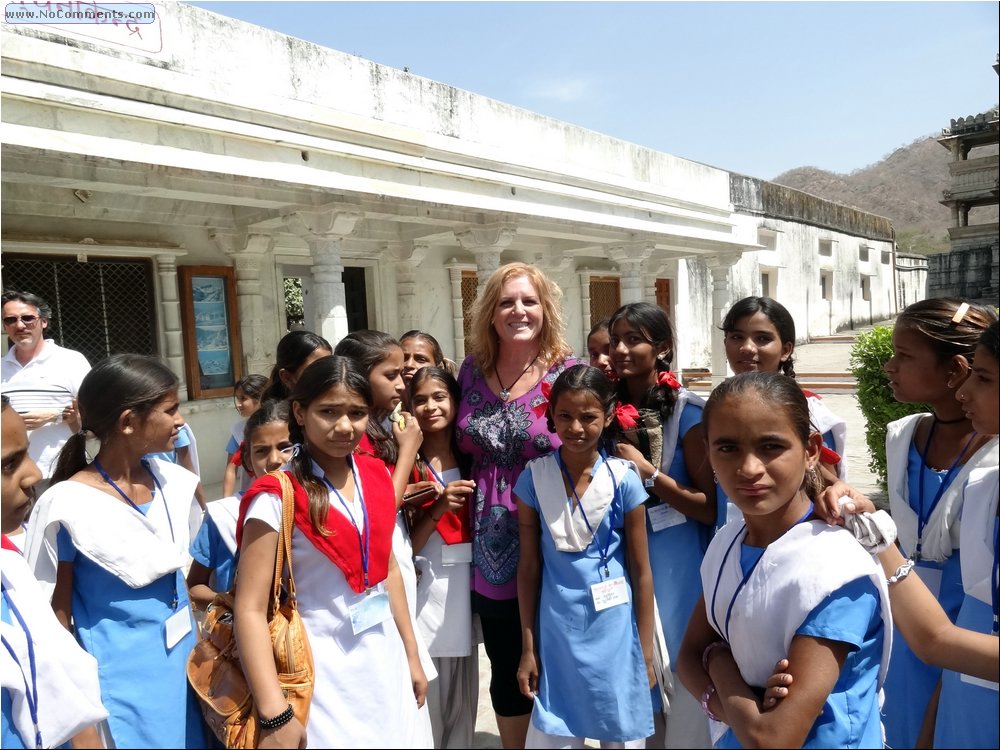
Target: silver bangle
column 901, row 572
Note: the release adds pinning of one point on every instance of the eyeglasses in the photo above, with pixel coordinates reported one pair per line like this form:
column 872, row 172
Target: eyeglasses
column 28, row 320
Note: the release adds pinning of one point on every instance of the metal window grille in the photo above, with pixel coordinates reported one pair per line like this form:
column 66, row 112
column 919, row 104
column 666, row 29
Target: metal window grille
column 470, row 288
column 605, row 297
column 99, row 308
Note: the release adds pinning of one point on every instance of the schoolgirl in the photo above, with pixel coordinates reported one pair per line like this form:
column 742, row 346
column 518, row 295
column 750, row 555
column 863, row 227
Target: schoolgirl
column 583, row 579
column 442, row 545
column 760, row 337
column 599, row 348
column 246, row 398
column 266, row 446
column 929, row 460
column 295, row 352
column 111, row 537
column 783, row 583
column 393, row 440
column 660, row 433
column 393, row 436
column 369, row 681
column 968, row 712
column 50, row 690
column 420, row 349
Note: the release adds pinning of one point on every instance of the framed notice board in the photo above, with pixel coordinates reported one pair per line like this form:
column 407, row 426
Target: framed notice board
column 212, row 352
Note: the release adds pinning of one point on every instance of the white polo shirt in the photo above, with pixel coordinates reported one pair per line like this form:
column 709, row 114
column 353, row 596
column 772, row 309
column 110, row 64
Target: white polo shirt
column 48, row 382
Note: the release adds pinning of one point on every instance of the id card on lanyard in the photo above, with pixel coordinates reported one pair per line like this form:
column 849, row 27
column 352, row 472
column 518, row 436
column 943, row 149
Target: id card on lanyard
column 373, row 608
column 612, row 591
column 179, row 623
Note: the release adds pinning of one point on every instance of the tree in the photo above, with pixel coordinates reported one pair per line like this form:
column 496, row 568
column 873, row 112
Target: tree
column 294, row 313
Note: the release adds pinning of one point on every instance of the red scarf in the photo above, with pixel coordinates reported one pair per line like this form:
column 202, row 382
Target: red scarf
column 341, row 546
column 453, row 528
column 8, row 544
column 827, row 455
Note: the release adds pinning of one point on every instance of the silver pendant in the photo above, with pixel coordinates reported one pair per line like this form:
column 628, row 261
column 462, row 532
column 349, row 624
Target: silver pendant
column 504, row 394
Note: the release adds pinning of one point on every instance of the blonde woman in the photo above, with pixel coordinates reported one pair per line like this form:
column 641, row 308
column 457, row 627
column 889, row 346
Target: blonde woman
column 518, row 344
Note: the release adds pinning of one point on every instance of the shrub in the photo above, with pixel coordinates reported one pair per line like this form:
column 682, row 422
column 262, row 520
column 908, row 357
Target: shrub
column 869, row 354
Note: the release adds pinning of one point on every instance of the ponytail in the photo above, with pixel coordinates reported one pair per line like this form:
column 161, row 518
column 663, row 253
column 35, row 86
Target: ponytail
column 72, row 457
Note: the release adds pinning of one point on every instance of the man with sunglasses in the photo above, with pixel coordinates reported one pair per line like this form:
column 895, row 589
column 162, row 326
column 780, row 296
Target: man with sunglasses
column 41, row 379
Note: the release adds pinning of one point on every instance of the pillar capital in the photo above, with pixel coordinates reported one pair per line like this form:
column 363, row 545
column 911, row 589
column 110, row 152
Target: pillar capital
column 494, row 236
column 635, row 251
column 321, row 223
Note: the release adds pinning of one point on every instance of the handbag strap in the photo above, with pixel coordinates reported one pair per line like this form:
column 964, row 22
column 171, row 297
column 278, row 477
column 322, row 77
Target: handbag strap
column 284, row 550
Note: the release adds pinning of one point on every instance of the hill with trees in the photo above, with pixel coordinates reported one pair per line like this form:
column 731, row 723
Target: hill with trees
column 905, row 187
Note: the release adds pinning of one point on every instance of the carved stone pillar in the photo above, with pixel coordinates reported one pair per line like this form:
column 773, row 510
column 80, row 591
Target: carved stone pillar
column 170, row 314
column 720, row 266
column 249, row 253
column 455, row 270
column 324, row 231
column 630, row 258
column 486, row 243
column 407, row 299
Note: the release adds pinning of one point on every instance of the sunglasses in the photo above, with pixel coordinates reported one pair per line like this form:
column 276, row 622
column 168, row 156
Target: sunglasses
column 28, row 320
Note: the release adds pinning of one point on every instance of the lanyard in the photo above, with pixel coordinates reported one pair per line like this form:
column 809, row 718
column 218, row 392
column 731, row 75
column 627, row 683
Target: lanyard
column 995, row 573
column 603, row 551
column 746, row 576
column 437, row 477
column 31, row 691
column 364, row 536
column 127, row 499
column 924, row 516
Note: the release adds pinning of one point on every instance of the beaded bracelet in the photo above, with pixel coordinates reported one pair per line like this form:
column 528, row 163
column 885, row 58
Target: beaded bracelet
column 705, row 698
column 707, row 653
column 278, row 721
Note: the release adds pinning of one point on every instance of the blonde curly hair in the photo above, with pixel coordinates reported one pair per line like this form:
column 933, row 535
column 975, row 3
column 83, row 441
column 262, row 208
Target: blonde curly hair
column 484, row 342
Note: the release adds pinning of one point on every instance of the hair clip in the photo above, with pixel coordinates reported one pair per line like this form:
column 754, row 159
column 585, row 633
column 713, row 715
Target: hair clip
column 959, row 315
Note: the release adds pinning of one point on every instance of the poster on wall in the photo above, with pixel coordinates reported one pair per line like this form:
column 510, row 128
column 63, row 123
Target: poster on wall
column 211, row 335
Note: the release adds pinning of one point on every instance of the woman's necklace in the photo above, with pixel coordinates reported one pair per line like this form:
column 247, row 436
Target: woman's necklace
column 505, row 390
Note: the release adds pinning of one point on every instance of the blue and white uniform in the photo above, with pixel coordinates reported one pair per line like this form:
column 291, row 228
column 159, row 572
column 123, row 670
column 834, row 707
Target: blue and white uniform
column 592, row 676
column 53, row 683
column 969, row 709
column 215, row 545
column 130, row 605
column 815, row 580
column 926, row 506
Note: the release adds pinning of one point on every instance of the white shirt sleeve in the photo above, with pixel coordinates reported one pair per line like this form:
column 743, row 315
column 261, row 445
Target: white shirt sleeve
column 267, row 508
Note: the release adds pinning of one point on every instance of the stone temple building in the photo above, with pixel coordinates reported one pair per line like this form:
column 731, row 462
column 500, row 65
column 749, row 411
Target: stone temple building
column 972, row 267
column 161, row 182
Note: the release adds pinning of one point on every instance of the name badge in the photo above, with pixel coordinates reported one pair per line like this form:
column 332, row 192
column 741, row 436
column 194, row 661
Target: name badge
column 663, row 516
column 609, row 593
column 371, row 610
column 456, row 554
column 969, row 679
column 178, row 626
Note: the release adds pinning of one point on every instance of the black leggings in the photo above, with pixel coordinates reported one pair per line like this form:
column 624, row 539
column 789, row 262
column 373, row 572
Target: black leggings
column 501, row 621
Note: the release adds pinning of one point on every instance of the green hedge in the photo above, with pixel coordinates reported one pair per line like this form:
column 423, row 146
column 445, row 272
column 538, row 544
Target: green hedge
column 869, row 354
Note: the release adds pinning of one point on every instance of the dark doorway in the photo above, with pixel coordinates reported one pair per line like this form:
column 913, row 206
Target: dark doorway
column 356, row 295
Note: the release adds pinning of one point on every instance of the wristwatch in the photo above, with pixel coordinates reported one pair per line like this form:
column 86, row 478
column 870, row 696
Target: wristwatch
column 651, row 480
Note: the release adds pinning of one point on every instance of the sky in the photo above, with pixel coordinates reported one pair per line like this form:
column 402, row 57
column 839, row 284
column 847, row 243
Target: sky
column 752, row 87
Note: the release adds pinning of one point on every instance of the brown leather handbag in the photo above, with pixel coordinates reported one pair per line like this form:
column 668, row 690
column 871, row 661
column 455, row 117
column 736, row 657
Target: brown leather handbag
column 214, row 670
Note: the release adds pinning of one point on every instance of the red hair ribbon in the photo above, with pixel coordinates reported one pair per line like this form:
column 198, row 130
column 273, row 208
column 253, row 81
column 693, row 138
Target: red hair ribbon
column 542, row 406
column 627, row 415
column 668, row 378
